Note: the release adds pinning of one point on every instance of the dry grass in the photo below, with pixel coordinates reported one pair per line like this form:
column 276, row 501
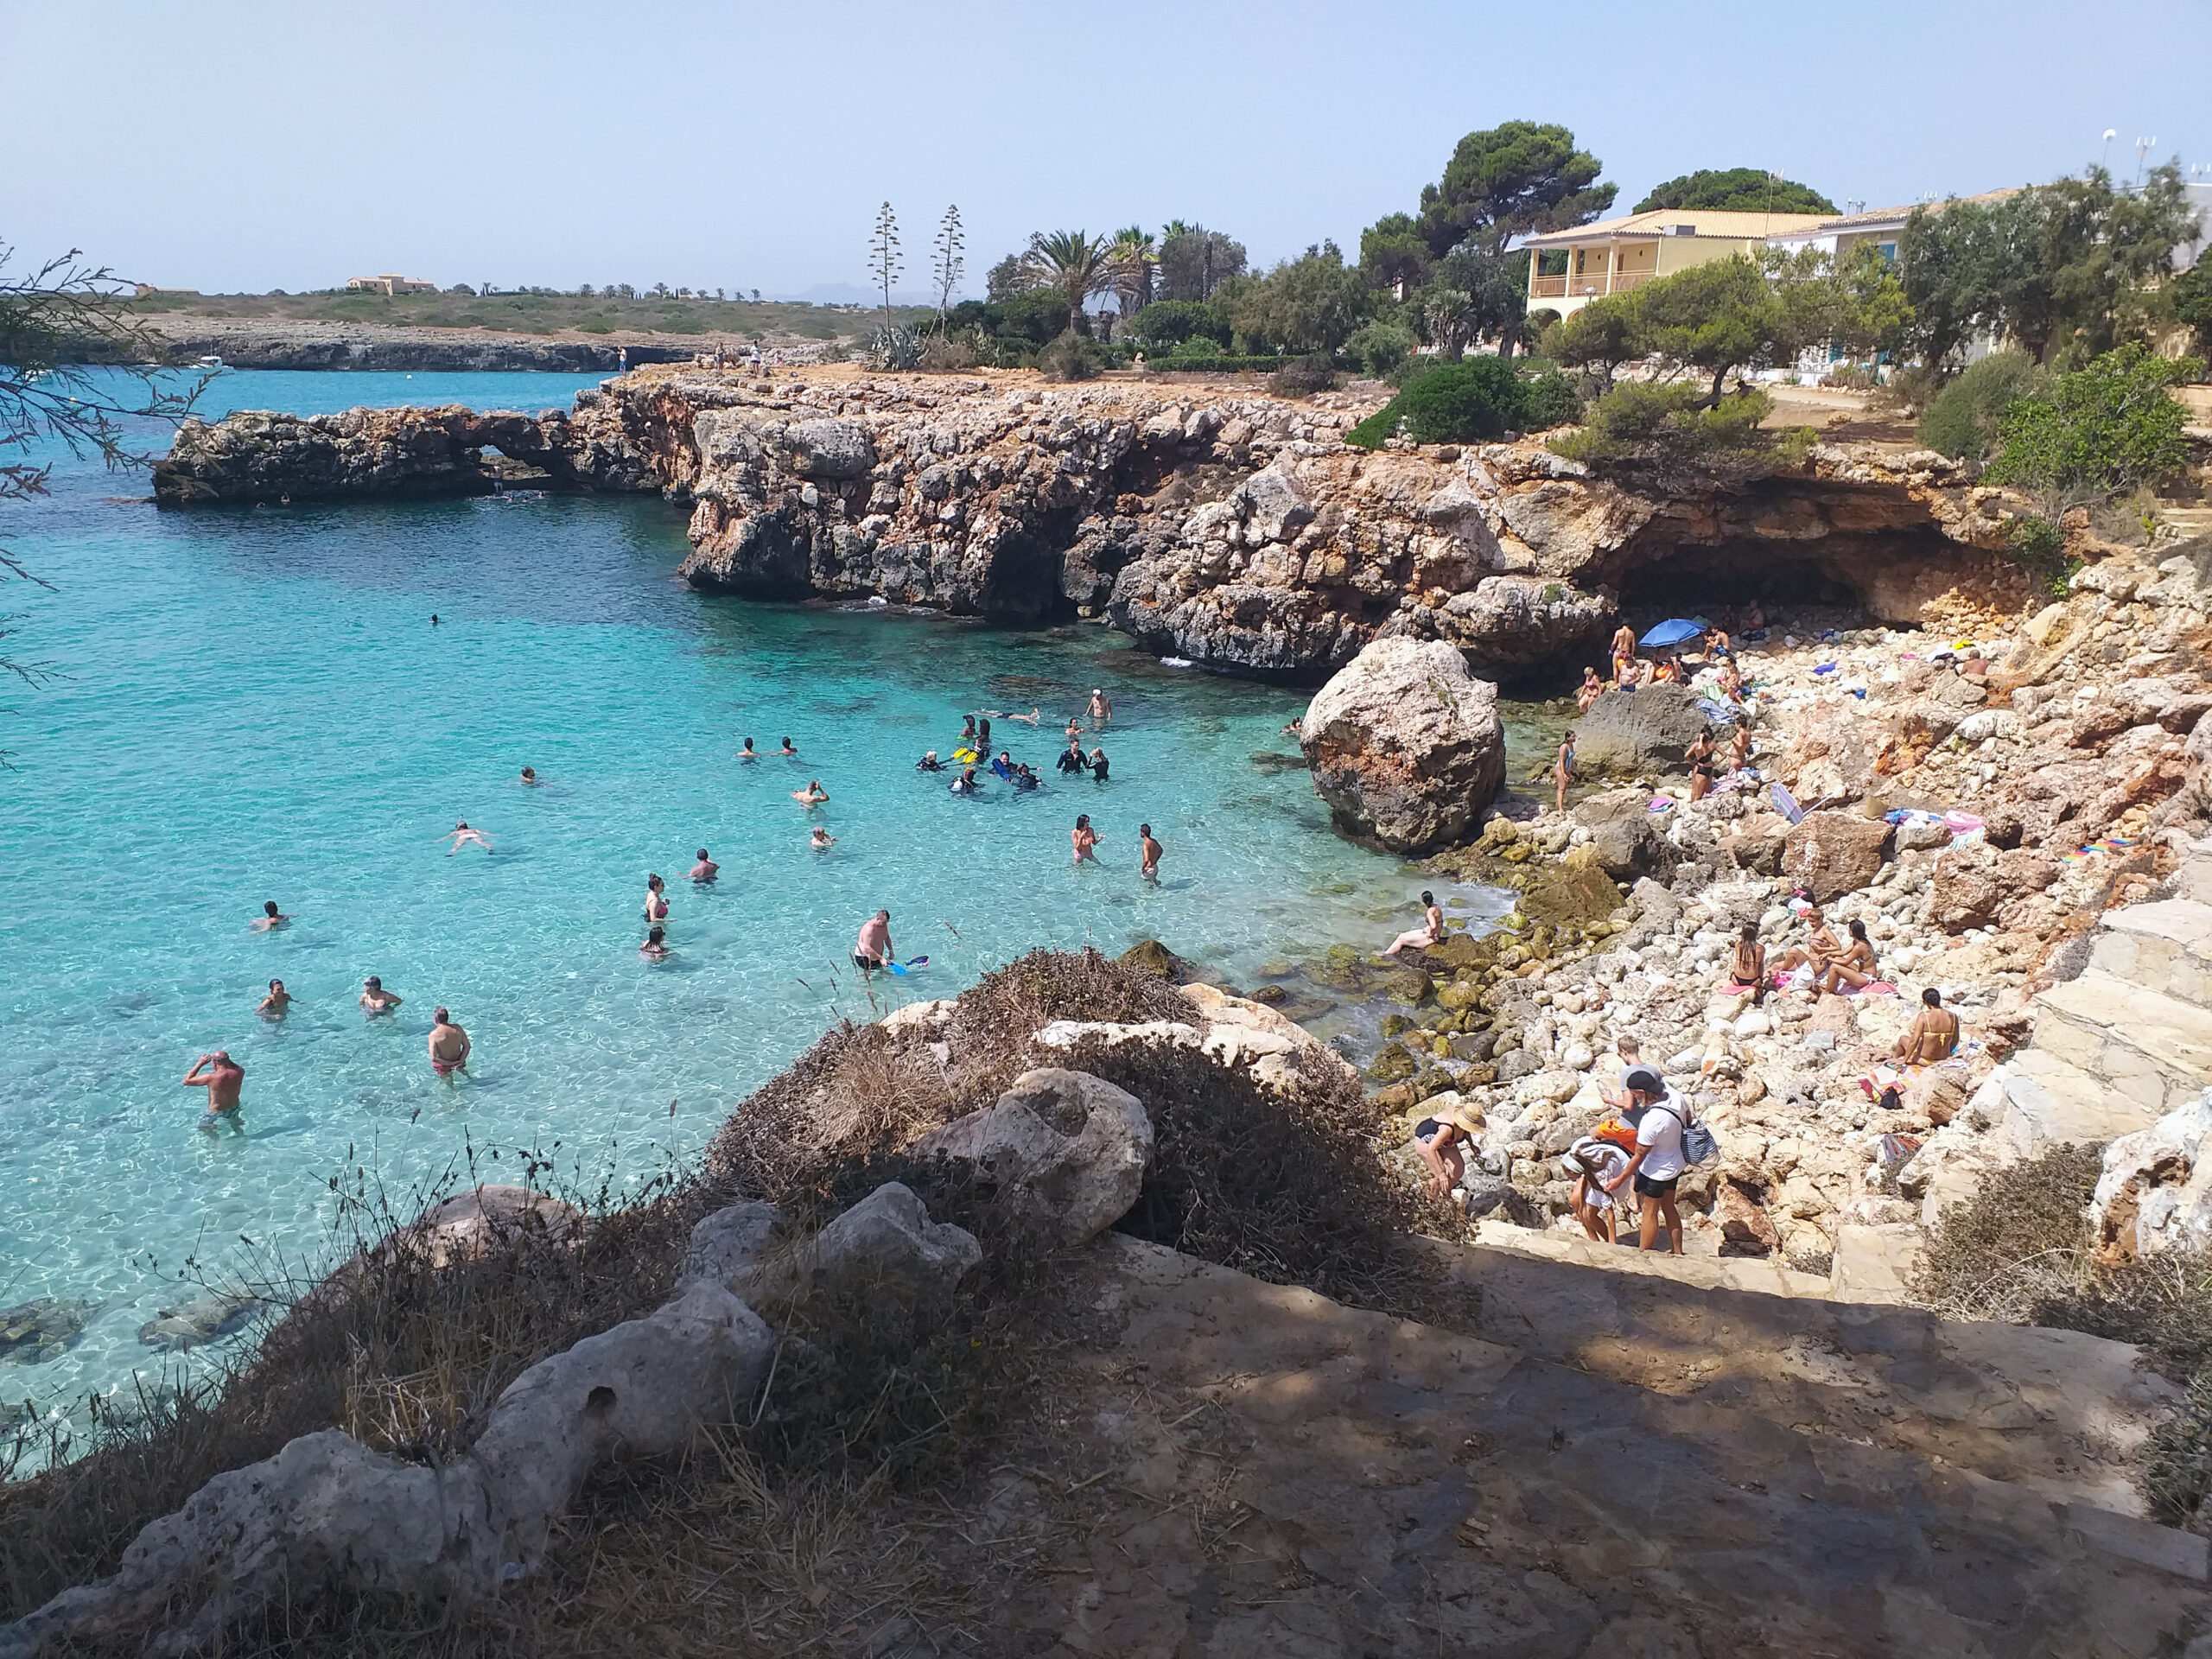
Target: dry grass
column 406, row 1357
column 848, row 1495
column 2020, row 1249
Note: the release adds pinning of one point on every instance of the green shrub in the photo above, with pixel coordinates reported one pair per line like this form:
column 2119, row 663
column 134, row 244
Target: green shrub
column 1960, row 421
column 1303, row 376
column 1470, row 402
column 1380, row 347
column 893, row 348
column 1665, row 424
column 1548, row 398
column 1071, row 357
column 947, row 353
column 1169, row 322
column 2101, row 431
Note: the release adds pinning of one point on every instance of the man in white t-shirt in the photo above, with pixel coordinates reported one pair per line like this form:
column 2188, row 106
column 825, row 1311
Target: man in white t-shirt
column 1658, row 1163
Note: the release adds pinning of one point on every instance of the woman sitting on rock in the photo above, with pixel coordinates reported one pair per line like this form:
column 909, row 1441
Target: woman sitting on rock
column 1855, row 969
column 1592, row 688
column 1419, row 938
column 1747, row 968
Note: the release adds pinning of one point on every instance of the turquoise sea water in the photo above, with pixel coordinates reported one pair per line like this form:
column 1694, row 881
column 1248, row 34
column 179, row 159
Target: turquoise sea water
column 255, row 705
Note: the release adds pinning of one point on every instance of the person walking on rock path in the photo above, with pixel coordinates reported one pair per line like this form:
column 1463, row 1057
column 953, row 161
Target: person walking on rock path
column 1658, row 1163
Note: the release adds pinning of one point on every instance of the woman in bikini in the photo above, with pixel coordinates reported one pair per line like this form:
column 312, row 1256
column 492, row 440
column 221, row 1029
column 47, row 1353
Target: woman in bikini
column 1699, row 755
column 1855, row 969
column 1739, row 748
column 1419, row 938
column 1563, row 770
column 1592, row 688
column 1747, row 968
column 1084, row 839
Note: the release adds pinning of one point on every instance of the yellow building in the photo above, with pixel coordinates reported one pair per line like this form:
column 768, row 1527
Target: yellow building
column 390, row 283
column 1568, row 269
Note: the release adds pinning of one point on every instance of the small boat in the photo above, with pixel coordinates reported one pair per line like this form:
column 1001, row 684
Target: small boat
column 210, row 361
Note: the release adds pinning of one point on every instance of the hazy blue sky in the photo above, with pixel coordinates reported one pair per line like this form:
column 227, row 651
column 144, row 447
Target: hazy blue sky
column 258, row 146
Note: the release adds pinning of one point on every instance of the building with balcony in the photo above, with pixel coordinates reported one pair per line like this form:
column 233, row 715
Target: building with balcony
column 389, row 284
column 1569, row 269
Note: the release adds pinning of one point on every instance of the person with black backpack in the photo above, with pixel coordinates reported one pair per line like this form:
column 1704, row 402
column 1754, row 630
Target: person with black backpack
column 1659, row 1159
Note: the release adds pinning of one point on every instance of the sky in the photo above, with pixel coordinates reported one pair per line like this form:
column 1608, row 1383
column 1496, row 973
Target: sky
column 241, row 147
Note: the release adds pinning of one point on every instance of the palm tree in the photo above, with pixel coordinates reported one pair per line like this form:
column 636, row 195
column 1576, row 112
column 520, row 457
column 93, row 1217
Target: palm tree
column 1076, row 264
column 1133, row 253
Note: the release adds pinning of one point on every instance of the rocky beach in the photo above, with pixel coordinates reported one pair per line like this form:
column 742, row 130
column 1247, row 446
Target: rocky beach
column 1977, row 770
column 1197, row 1234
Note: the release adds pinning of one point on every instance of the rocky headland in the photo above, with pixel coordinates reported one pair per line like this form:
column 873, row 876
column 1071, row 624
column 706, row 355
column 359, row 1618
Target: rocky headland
column 1225, row 527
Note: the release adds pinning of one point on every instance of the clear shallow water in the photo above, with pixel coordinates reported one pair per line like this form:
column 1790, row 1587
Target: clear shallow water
column 257, row 707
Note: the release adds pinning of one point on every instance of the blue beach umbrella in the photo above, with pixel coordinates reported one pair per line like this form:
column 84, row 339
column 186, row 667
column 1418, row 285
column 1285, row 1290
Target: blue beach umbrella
column 1672, row 631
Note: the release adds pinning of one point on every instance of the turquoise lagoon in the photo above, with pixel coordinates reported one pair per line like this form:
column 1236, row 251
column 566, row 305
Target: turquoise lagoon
column 254, row 705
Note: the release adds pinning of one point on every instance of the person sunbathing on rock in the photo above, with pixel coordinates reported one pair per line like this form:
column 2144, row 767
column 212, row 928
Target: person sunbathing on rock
column 1591, row 689
column 1821, row 947
column 1419, row 938
column 1747, row 970
column 1933, row 1036
column 1855, row 968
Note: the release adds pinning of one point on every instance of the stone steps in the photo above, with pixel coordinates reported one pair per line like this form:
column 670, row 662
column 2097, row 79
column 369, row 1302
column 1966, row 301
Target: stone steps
column 2049, row 1101
column 2166, row 947
column 2153, row 1048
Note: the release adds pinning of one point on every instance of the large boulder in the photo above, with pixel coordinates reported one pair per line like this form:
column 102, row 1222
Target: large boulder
column 1623, row 840
column 1830, row 854
column 1406, row 745
column 2155, row 1191
column 1632, row 733
column 463, row 1227
column 1061, row 1154
column 887, row 1240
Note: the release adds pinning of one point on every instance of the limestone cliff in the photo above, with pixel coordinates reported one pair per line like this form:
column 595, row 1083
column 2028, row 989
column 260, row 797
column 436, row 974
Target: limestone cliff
column 1232, row 530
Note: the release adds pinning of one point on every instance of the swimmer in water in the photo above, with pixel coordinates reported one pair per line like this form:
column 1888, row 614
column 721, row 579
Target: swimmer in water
column 787, row 751
column 655, row 899
column 271, row 917
column 813, row 795
column 822, row 841
column 1074, row 733
column 706, row 869
column 653, row 949
column 967, row 732
column 1085, row 839
column 929, row 763
column 375, row 1000
column 449, row 1046
column 1029, row 719
column 746, row 753
column 461, row 834
column 1150, row 867
column 530, row 777
column 1101, row 709
column 1098, row 766
column 965, row 783
column 222, row 1077
column 278, row 999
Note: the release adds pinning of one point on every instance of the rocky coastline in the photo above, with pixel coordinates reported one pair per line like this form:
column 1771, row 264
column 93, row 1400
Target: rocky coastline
column 186, row 340
column 1222, row 526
